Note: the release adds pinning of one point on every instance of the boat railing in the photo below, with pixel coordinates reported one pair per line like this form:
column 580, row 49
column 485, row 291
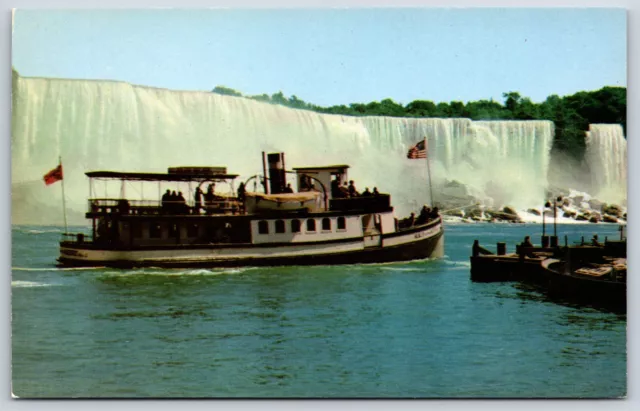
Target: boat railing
column 120, row 206
column 379, row 202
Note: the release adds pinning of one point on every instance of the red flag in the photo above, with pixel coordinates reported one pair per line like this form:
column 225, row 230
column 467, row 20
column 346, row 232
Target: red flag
column 53, row 175
column 418, row 151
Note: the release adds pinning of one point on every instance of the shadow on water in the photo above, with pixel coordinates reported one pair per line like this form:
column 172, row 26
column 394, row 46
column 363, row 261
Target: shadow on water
column 532, row 293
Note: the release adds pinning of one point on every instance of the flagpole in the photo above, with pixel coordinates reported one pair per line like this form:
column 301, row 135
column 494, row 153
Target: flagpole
column 426, row 150
column 64, row 205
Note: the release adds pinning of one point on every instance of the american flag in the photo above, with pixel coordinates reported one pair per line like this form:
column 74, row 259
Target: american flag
column 418, row 151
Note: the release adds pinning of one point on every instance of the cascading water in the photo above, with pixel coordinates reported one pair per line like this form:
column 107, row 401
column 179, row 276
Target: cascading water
column 606, row 162
column 106, row 125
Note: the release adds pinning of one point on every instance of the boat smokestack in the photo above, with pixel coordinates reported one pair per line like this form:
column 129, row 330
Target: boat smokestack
column 277, row 180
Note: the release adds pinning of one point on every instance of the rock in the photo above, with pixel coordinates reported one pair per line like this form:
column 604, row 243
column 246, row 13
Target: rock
column 533, row 211
column 454, row 213
column 624, row 216
column 609, row 219
column 548, row 213
column 594, row 219
column 569, row 214
column 509, row 210
column 566, row 202
column 502, row 216
column 595, row 204
column 613, row 209
column 583, row 217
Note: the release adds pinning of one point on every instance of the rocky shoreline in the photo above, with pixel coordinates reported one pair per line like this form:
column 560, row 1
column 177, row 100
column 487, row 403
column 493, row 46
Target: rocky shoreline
column 571, row 206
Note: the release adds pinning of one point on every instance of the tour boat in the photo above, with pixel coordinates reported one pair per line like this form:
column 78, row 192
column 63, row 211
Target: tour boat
column 316, row 225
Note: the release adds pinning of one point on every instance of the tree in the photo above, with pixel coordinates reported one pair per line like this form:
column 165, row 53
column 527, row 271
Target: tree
column 226, row 91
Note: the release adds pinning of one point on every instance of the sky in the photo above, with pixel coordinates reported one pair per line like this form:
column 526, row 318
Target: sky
column 332, row 56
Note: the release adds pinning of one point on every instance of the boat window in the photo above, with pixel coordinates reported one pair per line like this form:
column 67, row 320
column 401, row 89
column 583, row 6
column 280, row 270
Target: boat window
column 311, row 224
column 280, row 226
column 173, row 230
column 155, row 231
column 263, row 227
column 326, row 224
column 295, row 226
column 192, row 230
column 341, row 224
column 137, row 230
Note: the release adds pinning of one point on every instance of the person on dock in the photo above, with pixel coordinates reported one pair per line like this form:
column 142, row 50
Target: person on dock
column 527, row 242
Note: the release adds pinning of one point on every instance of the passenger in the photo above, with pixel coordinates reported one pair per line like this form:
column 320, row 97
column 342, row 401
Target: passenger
column 305, row 183
column 375, row 192
column 181, row 203
column 412, row 219
column 345, row 191
column 288, row 189
column 209, row 197
column 435, row 213
column 352, row 190
column 123, row 206
column 425, row 213
column 335, row 188
column 166, row 198
column 241, row 192
column 173, row 202
column 366, row 192
column 198, row 200
column 527, row 242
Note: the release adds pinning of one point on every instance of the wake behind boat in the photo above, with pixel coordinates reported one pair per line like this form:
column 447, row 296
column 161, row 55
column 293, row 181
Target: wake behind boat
column 323, row 222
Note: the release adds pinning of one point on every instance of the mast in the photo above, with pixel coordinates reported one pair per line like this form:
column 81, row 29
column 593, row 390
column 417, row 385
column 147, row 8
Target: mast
column 426, row 151
column 64, row 205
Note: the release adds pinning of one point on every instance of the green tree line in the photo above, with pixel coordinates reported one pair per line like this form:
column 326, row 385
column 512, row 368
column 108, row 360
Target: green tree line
column 571, row 114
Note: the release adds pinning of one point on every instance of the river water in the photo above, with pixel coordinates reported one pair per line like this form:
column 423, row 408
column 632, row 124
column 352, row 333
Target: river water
column 418, row 329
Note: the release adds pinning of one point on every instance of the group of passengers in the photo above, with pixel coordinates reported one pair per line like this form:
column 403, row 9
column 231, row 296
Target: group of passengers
column 426, row 214
column 174, row 203
column 209, row 197
column 349, row 190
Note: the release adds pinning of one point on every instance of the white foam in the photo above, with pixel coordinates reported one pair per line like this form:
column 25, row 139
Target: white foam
column 29, row 284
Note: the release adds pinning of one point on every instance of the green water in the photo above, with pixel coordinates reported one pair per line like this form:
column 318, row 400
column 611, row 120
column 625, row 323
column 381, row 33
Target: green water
column 418, row 329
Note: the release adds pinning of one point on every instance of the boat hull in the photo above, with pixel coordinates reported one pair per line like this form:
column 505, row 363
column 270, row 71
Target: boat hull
column 610, row 295
column 415, row 244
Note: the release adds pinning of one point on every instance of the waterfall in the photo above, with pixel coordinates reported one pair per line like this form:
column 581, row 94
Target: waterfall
column 108, row 125
column 606, row 162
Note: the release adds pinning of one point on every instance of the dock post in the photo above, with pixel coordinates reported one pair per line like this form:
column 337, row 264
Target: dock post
column 545, row 241
column 475, row 250
column 501, row 248
column 554, row 241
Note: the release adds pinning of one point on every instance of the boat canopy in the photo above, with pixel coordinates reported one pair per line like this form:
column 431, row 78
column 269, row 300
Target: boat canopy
column 159, row 176
column 339, row 168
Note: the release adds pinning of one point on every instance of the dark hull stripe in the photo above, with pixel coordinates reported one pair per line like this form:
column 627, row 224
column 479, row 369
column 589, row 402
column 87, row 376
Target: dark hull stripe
column 417, row 250
column 110, row 247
